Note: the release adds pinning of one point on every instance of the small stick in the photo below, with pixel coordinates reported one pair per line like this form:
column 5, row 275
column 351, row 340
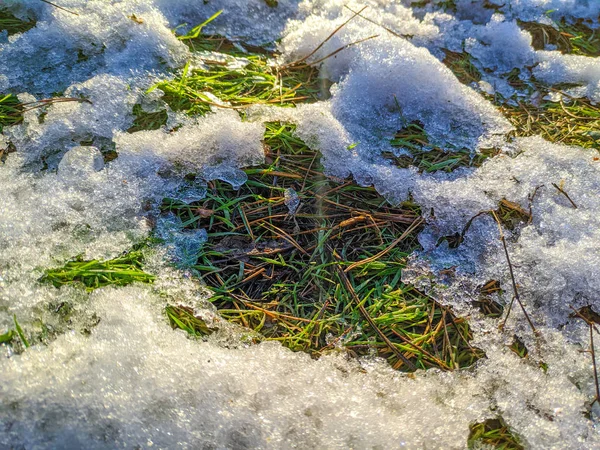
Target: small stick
column 531, row 198
column 592, row 351
column 343, row 48
column 512, row 275
column 561, row 190
column 376, row 23
column 502, row 325
column 327, row 39
column 60, row 7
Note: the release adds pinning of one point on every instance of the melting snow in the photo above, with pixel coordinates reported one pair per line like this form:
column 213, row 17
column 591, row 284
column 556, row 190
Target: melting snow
column 133, row 382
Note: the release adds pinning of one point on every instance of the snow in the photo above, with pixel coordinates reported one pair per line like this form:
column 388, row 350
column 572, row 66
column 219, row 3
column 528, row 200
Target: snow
column 133, row 381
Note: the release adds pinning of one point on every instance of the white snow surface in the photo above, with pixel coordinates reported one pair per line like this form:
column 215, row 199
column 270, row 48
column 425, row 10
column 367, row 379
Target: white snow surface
column 133, row 382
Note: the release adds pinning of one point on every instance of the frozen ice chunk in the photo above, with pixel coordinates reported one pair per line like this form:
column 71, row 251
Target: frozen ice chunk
column 183, row 246
column 291, row 200
column 80, row 161
column 557, row 68
column 501, row 45
column 217, row 138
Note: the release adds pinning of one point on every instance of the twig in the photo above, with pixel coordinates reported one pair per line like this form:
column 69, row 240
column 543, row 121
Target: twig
column 512, row 275
column 561, row 190
column 301, row 60
column 50, row 101
column 366, row 315
column 531, row 198
column 503, row 324
column 592, row 351
column 60, row 7
column 389, row 30
column 343, row 48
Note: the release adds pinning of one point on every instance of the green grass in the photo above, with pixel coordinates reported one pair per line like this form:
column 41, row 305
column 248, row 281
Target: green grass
column 254, row 77
column 147, row 120
column 518, row 347
column 15, row 338
column 258, row 82
column 572, row 121
column 183, row 317
column 280, row 274
column 11, row 112
column 12, row 24
column 575, row 39
column 429, row 158
column 575, row 123
column 494, row 433
column 95, row 274
column 485, row 303
column 462, row 66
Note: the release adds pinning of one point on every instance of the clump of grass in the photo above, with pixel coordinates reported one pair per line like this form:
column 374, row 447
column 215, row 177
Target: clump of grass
column 239, row 76
column 518, row 347
column 494, row 433
column 12, row 24
column 147, row 120
column 576, row 39
column 573, row 123
column 196, row 90
column 15, row 338
column 485, row 303
column 511, row 214
column 462, row 66
column 183, row 317
column 11, row 111
column 95, row 274
column 431, row 158
column 289, row 254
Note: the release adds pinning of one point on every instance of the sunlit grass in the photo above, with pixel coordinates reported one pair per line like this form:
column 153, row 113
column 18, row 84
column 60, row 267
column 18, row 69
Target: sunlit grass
column 278, row 271
column 493, row 433
column 95, row 274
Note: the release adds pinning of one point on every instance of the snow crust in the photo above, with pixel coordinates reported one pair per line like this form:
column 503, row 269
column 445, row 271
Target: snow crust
column 131, row 381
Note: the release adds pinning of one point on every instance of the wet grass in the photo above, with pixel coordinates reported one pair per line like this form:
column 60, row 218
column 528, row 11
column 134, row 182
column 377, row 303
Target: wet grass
column 11, row 111
column 315, row 263
column 183, row 317
column 462, row 66
column 571, row 121
column 495, row 434
column 429, row 158
column 13, row 25
column 95, row 274
column 147, row 120
column 235, row 75
column 195, row 91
